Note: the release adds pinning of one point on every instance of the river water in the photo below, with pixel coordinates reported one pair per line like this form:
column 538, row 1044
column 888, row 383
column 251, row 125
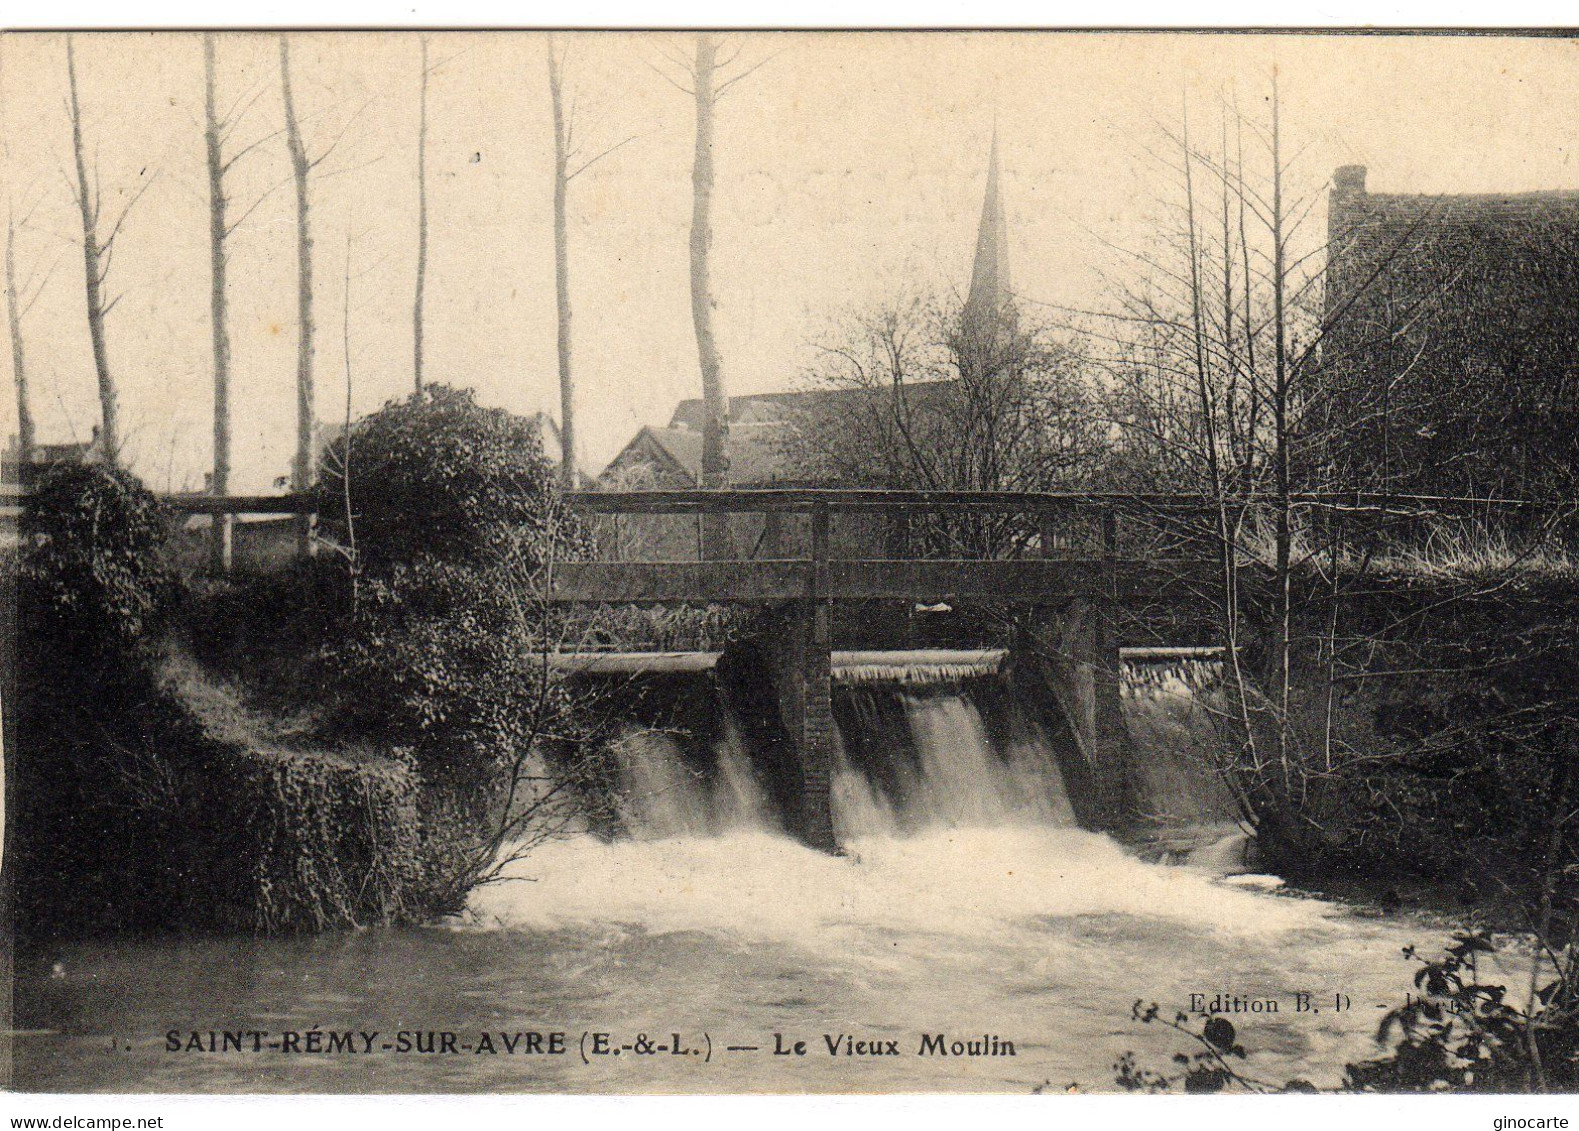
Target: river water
column 708, row 946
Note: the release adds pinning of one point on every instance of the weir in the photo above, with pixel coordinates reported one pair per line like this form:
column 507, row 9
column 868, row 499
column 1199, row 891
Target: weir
column 921, row 749
column 1063, row 659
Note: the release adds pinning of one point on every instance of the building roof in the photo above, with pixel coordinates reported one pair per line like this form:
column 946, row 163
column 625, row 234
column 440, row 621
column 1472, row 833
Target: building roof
column 798, row 406
column 1452, row 329
column 989, row 277
column 762, row 426
column 756, row 456
column 1462, row 232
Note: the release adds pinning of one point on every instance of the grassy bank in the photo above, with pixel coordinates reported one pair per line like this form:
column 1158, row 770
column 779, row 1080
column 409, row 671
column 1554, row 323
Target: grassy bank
column 350, row 741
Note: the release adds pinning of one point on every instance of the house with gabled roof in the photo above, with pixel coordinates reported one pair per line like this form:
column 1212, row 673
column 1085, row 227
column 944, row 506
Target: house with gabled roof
column 1450, row 359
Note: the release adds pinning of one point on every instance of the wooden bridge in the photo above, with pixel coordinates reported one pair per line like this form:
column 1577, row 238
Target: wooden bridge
column 1063, row 558
column 1068, row 561
column 1047, row 556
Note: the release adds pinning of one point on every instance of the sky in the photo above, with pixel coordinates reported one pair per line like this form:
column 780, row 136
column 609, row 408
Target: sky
column 850, row 168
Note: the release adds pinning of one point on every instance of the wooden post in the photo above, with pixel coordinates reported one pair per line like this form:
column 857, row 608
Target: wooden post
column 817, row 735
column 896, row 535
column 1112, row 734
column 1047, row 526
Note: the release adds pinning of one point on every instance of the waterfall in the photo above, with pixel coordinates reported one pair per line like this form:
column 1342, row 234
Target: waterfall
column 660, row 795
column 665, row 793
column 939, row 741
column 924, row 741
column 1168, row 709
column 739, row 801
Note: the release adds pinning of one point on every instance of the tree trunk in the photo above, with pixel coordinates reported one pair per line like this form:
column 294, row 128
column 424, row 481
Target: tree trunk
column 715, row 427
column 422, row 220
column 568, row 463
column 220, row 532
column 26, row 439
column 1281, row 440
column 25, row 435
column 302, row 470
column 715, row 401
column 109, row 401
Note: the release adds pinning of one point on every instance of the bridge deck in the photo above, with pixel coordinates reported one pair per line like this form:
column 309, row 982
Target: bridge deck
column 1028, row 579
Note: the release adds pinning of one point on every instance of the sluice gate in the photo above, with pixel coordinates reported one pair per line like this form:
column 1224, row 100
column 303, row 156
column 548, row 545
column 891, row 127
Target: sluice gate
column 1061, row 586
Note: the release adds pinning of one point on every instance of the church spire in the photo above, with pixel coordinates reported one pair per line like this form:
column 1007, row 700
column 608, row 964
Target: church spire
column 989, row 279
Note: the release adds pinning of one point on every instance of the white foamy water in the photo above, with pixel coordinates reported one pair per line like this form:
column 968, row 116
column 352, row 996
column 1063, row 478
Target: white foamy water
column 968, row 882
column 966, row 899
column 967, row 904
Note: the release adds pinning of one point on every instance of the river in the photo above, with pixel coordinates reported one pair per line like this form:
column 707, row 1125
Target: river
column 708, row 947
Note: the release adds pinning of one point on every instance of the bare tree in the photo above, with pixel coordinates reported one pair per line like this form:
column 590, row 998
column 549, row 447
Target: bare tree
column 16, row 307
column 220, row 534
column 302, row 467
column 422, row 218
column 908, row 396
column 568, row 165
column 706, row 77
column 567, row 381
column 1229, row 383
column 715, row 428
column 26, row 439
column 218, row 127
column 303, row 164
column 98, row 249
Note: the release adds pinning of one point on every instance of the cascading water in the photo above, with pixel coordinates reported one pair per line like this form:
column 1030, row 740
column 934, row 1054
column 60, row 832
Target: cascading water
column 968, row 900
column 663, row 795
column 1173, row 718
column 923, row 758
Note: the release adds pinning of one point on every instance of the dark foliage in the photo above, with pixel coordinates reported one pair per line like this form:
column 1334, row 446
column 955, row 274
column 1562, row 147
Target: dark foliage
column 1215, row 1063
column 1452, row 372
column 83, row 702
column 438, row 474
column 454, row 518
column 454, row 522
column 1452, row 725
column 1456, row 1032
column 91, row 574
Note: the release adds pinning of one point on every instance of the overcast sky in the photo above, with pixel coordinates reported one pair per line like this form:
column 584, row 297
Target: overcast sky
column 850, row 167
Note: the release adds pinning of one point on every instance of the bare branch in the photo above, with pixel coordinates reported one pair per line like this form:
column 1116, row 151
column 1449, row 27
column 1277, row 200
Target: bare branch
column 584, row 166
column 718, row 91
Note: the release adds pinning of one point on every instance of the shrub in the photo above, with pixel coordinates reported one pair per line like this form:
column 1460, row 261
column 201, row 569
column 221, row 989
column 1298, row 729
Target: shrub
column 91, row 569
column 454, row 517
column 438, row 474
column 1456, row 1032
column 90, row 591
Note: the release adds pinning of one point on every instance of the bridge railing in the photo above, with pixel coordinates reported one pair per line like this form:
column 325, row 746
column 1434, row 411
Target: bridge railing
column 783, row 524
column 897, row 524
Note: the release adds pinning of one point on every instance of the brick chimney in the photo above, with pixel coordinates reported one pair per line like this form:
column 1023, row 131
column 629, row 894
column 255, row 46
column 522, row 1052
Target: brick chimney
column 1349, row 179
column 1346, row 208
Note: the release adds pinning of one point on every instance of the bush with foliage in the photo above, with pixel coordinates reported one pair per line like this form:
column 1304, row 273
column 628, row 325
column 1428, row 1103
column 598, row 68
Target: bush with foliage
column 90, row 591
column 450, row 519
column 1456, row 1033
column 1430, row 736
column 91, row 569
column 1459, row 1033
column 438, row 475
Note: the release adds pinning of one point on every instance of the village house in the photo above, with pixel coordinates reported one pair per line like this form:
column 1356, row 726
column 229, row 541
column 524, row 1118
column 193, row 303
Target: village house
column 1450, row 359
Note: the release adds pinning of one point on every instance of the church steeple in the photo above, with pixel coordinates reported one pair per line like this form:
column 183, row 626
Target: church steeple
column 989, row 278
